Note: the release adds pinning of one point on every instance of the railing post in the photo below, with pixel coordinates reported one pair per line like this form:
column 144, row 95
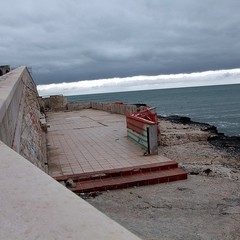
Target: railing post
column 153, row 139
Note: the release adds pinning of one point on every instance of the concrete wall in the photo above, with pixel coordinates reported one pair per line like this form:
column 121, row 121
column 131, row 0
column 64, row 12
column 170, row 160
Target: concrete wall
column 20, row 127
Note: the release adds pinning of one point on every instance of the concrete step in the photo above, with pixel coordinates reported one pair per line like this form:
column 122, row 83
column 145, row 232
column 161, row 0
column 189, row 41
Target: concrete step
column 147, row 174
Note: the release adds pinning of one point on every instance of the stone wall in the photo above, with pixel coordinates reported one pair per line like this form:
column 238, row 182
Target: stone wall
column 20, row 126
column 74, row 106
column 118, row 108
column 57, row 103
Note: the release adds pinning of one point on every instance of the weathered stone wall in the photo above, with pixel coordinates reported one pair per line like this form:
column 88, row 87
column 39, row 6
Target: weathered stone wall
column 118, row 108
column 57, row 103
column 74, row 106
column 20, row 126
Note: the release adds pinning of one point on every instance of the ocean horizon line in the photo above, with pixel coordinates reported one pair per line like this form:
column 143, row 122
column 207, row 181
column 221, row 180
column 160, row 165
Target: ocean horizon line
column 128, row 91
column 137, row 83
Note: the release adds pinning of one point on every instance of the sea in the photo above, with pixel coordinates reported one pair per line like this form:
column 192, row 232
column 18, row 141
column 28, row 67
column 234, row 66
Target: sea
column 216, row 105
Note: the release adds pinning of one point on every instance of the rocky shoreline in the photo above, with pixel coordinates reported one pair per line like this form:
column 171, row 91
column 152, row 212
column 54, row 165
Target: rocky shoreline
column 199, row 147
column 220, row 140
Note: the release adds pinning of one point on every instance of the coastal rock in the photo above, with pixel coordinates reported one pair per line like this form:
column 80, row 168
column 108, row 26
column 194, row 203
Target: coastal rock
column 177, row 130
column 211, row 170
column 191, row 142
column 230, row 144
column 70, row 183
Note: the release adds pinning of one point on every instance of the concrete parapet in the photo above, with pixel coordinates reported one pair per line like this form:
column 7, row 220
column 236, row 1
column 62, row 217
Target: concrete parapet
column 35, row 206
column 20, row 127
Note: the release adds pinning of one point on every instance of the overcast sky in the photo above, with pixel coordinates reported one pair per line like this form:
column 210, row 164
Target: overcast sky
column 74, row 40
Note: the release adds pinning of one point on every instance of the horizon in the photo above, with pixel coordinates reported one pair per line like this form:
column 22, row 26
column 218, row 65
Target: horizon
column 141, row 83
column 151, row 89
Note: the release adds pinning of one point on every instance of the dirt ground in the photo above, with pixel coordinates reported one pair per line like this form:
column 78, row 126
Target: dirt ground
column 204, row 207
column 198, row 208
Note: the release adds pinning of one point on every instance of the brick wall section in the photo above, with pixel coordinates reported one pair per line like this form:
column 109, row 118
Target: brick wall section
column 20, row 127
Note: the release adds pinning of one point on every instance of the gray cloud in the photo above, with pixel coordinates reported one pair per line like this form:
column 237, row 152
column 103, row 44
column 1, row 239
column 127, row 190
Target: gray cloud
column 72, row 40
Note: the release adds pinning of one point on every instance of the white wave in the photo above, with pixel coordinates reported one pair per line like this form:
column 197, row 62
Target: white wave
column 206, row 78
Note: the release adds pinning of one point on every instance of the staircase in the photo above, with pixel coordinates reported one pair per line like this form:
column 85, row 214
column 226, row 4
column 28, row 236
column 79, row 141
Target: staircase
column 146, row 174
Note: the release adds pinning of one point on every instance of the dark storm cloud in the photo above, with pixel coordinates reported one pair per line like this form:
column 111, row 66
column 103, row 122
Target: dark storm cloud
column 78, row 40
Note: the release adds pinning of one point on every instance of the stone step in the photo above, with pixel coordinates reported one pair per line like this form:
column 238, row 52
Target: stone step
column 138, row 179
column 147, row 174
column 119, row 171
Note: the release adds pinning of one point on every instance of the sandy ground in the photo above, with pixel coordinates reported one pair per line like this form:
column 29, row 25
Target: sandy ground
column 206, row 206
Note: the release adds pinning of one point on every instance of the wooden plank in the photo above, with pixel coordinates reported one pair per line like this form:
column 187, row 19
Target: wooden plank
column 140, row 139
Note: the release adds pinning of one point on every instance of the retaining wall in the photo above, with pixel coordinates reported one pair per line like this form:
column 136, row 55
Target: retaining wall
column 20, row 127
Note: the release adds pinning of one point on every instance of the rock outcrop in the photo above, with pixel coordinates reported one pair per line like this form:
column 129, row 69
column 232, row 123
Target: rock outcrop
column 193, row 143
